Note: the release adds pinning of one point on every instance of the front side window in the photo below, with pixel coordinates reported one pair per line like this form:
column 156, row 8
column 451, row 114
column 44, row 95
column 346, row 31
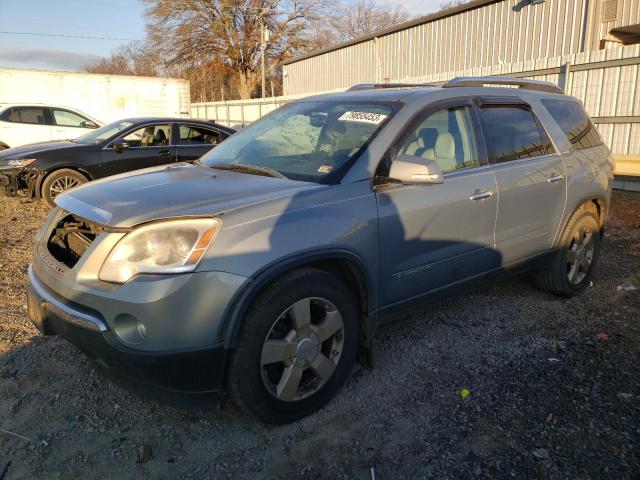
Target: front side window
column 32, row 115
column 446, row 136
column 309, row 141
column 195, row 135
column 149, row 136
column 514, row 133
column 65, row 118
column 574, row 122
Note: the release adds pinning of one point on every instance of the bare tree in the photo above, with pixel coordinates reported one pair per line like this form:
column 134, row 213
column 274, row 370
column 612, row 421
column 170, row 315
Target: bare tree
column 192, row 33
column 215, row 44
column 135, row 58
column 452, row 3
column 364, row 17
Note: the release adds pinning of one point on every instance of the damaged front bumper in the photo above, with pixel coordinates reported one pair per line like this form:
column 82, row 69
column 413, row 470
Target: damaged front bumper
column 14, row 181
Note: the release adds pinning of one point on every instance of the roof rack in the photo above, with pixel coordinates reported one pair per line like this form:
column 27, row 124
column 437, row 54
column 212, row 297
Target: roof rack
column 372, row 86
column 536, row 85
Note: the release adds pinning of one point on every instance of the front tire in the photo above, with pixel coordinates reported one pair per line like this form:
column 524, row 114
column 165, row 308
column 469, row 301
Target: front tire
column 59, row 182
column 575, row 259
column 296, row 347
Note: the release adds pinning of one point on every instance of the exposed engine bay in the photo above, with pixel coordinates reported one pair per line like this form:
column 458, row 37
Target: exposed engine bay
column 21, row 181
column 71, row 238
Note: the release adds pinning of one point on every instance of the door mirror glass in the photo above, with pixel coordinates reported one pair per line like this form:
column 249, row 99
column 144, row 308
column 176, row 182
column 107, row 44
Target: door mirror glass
column 120, row 147
column 412, row 170
column 89, row 124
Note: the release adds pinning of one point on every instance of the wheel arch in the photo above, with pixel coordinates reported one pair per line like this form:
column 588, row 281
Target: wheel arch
column 597, row 204
column 343, row 263
column 46, row 173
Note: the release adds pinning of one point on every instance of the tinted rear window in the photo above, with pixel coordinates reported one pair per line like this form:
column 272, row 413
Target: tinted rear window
column 514, row 133
column 574, row 122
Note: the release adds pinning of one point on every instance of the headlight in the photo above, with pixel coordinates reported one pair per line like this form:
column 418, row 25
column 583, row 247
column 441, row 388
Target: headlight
column 171, row 246
column 16, row 163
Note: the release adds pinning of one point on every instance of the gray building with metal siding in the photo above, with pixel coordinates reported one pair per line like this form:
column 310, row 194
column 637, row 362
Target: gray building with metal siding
column 480, row 33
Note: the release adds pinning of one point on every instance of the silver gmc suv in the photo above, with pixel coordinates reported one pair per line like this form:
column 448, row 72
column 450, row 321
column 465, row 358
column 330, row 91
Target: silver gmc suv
column 265, row 267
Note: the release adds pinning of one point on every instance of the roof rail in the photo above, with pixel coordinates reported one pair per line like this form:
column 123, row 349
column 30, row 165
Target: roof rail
column 372, row 86
column 536, row 85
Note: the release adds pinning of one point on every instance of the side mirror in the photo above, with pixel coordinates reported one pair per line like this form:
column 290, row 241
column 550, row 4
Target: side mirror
column 411, row 170
column 90, row 124
column 120, row 147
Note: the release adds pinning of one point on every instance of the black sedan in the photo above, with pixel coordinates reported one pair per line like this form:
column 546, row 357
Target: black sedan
column 48, row 169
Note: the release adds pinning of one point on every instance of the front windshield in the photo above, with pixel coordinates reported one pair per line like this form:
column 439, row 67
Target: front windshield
column 103, row 133
column 310, row 141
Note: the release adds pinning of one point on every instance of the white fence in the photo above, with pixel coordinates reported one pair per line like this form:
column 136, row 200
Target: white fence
column 239, row 113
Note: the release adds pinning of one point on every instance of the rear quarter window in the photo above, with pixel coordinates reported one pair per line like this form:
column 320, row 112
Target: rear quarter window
column 574, row 122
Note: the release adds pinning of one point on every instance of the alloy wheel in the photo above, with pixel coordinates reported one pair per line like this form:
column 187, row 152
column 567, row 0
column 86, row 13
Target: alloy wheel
column 579, row 256
column 63, row 184
column 302, row 349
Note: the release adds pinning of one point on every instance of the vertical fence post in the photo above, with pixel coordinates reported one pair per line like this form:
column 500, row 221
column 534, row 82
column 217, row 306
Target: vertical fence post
column 563, row 78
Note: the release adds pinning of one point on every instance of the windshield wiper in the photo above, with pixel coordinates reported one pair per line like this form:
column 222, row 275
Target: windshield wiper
column 251, row 169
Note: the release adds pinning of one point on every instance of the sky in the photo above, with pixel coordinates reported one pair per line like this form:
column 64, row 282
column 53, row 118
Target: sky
column 103, row 25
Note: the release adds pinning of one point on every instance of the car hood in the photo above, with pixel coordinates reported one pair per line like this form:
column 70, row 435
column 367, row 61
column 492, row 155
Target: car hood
column 170, row 191
column 26, row 151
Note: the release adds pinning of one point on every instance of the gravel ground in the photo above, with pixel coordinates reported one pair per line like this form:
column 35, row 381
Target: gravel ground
column 550, row 396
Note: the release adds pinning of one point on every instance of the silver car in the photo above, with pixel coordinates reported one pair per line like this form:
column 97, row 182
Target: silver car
column 265, row 268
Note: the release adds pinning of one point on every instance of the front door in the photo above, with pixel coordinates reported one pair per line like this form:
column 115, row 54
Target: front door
column 68, row 124
column 147, row 146
column 432, row 236
column 531, row 180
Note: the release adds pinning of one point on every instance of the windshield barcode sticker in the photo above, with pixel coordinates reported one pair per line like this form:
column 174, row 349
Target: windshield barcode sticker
column 366, row 117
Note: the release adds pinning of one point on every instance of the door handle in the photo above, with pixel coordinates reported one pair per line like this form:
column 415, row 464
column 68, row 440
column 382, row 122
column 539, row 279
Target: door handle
column 555, row 178
column 166, row 153
column 481, row 194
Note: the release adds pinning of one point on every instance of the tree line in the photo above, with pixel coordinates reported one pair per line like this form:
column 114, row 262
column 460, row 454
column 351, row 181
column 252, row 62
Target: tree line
column 216, row 44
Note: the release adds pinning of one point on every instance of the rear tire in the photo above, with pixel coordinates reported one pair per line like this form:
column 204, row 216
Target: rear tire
column 60, row 181
column 575, row 258
column 279, row 343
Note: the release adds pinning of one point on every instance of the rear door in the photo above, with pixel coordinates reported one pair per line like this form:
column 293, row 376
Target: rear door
column 433, row 236
column 26, row 124
column 146, row 146
column 193, row 141
column 530, row 175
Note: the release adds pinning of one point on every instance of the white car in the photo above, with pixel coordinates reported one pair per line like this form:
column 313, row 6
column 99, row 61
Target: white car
column 30, row 123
